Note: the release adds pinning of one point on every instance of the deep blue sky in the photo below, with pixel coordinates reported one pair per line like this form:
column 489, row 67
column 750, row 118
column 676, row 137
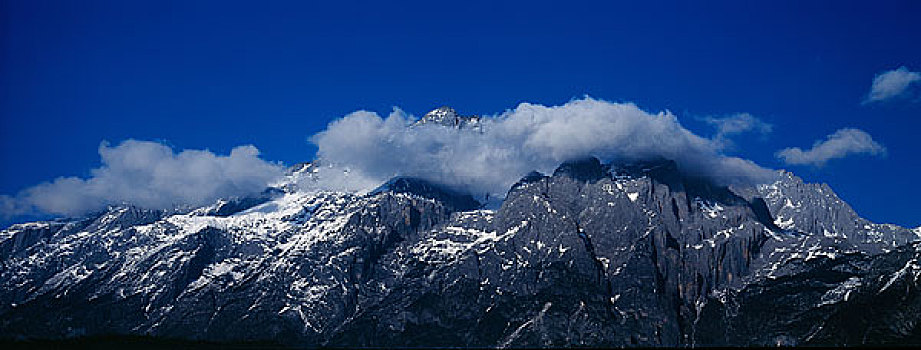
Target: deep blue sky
column 220, row 74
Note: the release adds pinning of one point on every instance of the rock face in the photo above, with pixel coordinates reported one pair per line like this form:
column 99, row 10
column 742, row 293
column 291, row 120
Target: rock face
column 592, row 255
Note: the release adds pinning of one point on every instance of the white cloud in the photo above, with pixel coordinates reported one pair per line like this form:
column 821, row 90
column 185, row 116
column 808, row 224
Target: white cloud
column 360, row 151
column 892, row 84
column 149, row 174
column 509, row 145
column 842, row 143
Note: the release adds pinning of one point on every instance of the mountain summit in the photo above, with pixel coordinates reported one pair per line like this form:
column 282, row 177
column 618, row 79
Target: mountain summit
column 594, row 255
column 447, row 116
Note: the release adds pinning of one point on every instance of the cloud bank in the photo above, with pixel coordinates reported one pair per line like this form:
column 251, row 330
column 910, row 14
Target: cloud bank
column 362, row 149
column 891, row 84
column 840, row 144
column 151, row 175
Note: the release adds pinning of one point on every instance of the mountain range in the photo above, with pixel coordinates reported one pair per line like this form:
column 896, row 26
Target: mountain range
column 594, row 254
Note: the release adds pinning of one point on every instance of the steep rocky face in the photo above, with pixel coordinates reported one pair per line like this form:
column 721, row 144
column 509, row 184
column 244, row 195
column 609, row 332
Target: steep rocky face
column 585, row 257
column 853, row 299
column 592, row 255
column 816, row 209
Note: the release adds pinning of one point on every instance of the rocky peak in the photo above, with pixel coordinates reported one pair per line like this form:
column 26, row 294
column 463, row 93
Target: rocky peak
column 441, row 112
column 447, row 116
column 410, row 185
column 662, row 170
column 587, row 169
column 531, row 177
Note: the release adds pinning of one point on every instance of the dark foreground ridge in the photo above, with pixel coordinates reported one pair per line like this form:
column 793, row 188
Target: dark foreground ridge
column 595, row 255
column 118, row 342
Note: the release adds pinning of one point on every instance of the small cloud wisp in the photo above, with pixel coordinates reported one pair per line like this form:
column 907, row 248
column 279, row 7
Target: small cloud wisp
column 891, row 84
column 737, row 124
column 841, row 143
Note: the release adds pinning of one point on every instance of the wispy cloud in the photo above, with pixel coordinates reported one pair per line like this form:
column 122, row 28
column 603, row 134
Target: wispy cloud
column 509, row 145
column 891, row 84
column 736, row 124
column 148, row 174
column 840, row 144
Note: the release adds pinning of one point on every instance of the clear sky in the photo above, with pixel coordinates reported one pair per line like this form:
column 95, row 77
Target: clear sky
column 215, row 75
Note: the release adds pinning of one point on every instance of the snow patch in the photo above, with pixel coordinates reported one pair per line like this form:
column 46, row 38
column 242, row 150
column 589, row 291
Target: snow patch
column 784, row 223
column 710, row 209
column 910, row 267
column 841, row 292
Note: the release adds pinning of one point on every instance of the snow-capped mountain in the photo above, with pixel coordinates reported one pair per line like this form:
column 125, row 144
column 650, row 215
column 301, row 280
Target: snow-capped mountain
column 447, row 116
column 591, row 255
